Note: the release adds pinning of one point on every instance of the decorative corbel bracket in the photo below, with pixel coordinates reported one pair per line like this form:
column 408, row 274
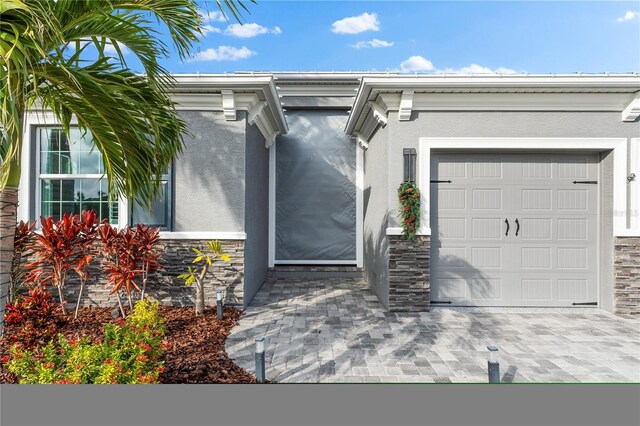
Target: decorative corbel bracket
column 406, row 105
column 379, row 113
column 632, row 111
column 361, row 141
column 228, row 104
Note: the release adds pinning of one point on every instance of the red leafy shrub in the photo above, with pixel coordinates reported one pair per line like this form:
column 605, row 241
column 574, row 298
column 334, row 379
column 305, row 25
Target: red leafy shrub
column 129, row 254
column 64, row 246
column 38, row 316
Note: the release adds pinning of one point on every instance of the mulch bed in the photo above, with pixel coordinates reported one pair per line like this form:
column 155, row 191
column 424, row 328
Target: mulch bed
column 197, row 353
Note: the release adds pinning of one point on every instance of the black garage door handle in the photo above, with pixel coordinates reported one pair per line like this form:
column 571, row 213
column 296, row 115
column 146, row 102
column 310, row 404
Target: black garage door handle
column 507, row 232
column 518, row 227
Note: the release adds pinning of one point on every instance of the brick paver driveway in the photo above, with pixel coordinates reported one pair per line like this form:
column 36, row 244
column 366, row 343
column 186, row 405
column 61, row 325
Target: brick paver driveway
column 335, row 330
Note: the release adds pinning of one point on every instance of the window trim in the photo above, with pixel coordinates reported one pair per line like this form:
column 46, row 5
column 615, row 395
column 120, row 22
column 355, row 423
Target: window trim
column 38, row 177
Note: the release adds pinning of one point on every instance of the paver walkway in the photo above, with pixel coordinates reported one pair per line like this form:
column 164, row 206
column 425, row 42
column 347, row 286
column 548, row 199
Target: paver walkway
column 335, row 330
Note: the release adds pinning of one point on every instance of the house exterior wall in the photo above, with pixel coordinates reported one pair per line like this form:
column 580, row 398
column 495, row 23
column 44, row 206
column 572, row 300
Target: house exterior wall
column 208, row 187
column 256, row 213
column 209, row 176
column 406, row 134
column 375, row 214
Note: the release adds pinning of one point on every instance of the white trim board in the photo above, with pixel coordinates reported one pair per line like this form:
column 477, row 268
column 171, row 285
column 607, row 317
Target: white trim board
column 359, row 206
column 315, row 262
column 617, row 145
column 272, row 204
column 204, row 235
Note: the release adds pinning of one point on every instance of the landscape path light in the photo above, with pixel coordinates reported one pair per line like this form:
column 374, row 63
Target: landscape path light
column 219, row 302
column 260, row 367
column 493, row 365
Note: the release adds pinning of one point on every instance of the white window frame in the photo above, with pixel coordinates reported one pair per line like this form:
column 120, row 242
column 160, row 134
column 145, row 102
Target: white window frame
column 34, row 121
column 57, row 176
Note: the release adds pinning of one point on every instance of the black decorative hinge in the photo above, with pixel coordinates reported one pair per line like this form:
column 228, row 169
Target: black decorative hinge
column 440, row 181
column 584, row 304
column 585, row 182
column 436, row 302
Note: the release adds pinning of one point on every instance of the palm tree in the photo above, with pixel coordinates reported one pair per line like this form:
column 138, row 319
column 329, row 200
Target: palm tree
column 55, row 54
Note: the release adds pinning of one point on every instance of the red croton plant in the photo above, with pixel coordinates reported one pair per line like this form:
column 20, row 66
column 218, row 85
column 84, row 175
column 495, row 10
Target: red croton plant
column 129, row 254
column 62, row 246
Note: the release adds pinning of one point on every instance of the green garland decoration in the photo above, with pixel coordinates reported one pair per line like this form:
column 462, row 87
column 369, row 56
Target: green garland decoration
column 409, row 196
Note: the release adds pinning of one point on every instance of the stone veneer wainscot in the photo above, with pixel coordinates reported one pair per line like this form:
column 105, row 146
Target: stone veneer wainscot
column 626, row 290
column 409, row 263
column 165, row 285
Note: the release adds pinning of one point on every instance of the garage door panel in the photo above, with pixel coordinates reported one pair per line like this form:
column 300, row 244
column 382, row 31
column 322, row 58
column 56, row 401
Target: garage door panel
column 536, row 228
column 487, row 228
column 451, row 199
column 536, row 199
column 553, row 259
column 486, row 199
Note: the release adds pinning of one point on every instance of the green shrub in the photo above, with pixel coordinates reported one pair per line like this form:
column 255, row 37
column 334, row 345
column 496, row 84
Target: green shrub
column 128, row 353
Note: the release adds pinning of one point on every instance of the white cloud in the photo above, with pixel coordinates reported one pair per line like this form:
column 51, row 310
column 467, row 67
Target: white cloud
column 477, row 69
column 629, row 16
column 110, row 49
column 374, row 43
column 420, row 64
column 211, row 16
column 206, row 29
column 223, row 53
column 416, row 64
column 249, row 30
column 356, row 24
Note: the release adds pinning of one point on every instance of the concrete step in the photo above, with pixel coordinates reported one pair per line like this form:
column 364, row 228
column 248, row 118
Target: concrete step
column 314, row 271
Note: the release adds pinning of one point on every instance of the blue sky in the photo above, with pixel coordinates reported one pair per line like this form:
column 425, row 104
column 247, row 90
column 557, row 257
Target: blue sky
column 423, row 36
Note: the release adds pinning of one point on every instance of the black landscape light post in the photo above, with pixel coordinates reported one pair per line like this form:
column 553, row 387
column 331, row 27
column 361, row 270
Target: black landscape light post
column 260, row 367
column 494, row 365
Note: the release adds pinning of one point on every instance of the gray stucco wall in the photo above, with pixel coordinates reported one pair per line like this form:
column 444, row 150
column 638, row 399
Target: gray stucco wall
column 209, row 176
column 548, row 124
column 256, row 249
column 375, row 202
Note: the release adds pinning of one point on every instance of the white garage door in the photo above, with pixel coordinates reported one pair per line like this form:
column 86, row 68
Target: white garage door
column 514, row 230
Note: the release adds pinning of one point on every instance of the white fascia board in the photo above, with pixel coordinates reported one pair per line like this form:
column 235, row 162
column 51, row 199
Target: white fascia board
column 629, row 81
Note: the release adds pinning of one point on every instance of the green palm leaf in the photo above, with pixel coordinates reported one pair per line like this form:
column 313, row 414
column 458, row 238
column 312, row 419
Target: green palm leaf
column 45, row 60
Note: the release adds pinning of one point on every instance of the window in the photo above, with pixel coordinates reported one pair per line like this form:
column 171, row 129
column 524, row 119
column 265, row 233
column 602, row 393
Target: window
column 71, row 179
column 71, row 176
column 160, row 213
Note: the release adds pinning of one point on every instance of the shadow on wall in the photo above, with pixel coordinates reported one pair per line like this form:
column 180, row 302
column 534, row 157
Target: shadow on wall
column 458, row 272
column 210, row 174
column 376, row 248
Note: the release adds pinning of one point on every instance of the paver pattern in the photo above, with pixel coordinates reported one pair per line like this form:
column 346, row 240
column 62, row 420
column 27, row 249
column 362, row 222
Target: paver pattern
column 336, row 330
